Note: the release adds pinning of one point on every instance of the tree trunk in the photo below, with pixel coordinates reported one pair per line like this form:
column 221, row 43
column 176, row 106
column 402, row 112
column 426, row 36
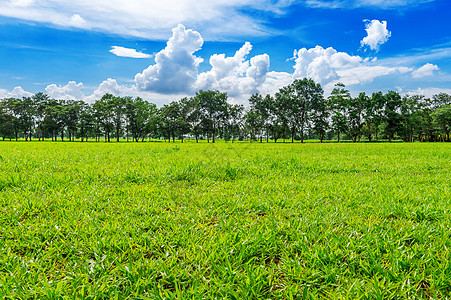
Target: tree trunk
column 338, row 139
column 197, row 141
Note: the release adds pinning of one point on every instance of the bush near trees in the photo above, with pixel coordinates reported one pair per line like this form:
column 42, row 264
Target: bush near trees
column 297, row 111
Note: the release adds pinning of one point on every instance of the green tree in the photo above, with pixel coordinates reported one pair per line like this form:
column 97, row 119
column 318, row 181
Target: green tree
column 212, row 106
column 392, row 116
column 338, row 103
column 356, row 108
column 442, row 117
column 294, row 104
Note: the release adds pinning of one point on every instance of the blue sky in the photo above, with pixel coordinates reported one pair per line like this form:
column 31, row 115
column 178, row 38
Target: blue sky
column 82, row 49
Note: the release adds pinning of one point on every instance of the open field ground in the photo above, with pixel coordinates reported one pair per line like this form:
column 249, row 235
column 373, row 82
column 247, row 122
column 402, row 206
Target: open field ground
column 236, row 221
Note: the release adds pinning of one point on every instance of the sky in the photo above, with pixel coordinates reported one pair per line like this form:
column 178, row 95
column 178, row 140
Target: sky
column 164, row 50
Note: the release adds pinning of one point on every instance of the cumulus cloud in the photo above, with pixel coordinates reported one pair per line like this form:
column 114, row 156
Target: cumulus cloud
column 128, row 52
column 426, row 70
column 235, row 75
column 175, row 72
column 322, row 64
column 17, row 92
column 70, row 91
column 429, row 92
column 109, row 86
column 175, row 67
column 328, row 66
column 377, row 34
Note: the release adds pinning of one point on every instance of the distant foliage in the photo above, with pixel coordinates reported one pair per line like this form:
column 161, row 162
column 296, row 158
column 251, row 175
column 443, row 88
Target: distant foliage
column 297, row 111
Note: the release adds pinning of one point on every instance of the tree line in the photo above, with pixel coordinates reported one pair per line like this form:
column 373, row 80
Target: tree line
column 297, row 111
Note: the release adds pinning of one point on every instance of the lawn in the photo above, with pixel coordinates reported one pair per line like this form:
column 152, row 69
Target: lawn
column 236, row 221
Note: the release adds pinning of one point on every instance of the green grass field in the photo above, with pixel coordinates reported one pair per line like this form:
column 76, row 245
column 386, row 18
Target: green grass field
column 234, row 221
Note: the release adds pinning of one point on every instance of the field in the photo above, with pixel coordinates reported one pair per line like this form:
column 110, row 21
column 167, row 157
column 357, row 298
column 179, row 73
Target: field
column 235, row 221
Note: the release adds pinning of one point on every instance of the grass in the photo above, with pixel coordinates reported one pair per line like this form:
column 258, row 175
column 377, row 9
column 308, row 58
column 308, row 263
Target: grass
column 235, row 221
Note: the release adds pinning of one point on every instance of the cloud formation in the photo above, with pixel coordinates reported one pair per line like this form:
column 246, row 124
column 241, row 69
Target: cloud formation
column 175, row 67
column 128, row 52
column 70, row 91
column 235, row 75
column 392, row 4
column 426, row 70
column 17, row 92
column 377, row 34
column 328, row 66
column 175, row 72
column 322, row 64
column 219, row 19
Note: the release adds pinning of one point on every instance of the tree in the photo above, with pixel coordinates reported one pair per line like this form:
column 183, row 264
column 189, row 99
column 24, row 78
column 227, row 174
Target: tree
column 392, row 116
column 255, row 116
column 234, row 120
column 173, row 120
column 319, row 116
column 212, row 106
column 104, row 115
column 338, row 102
column 141, row 117
column 411, row 106
column 40, row 101
column 356, row 107
column 441, row 99
column 117, row 106
column 294, row 103
column 442, row 117
column 6, row 121
column 85, row 122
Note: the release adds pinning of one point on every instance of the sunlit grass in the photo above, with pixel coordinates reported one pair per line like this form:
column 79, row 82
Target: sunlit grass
column 165, row 220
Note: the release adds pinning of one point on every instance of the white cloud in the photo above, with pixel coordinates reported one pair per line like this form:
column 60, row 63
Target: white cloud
column 322, row 64
column 426, row 70
column 109, row 86
column 175, row 73
column 21, row 3
column 175, row 67
column 235, row 75
column 218, row 20
column 430, row 91
column 377, row 34
column 128, row 52
column 17, row 92
column 350, row 4
column 274, row 81
column 70, row 91
column 328, row 66
column 77, row 21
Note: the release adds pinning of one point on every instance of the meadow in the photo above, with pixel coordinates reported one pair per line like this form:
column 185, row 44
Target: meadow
column 223, row 220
